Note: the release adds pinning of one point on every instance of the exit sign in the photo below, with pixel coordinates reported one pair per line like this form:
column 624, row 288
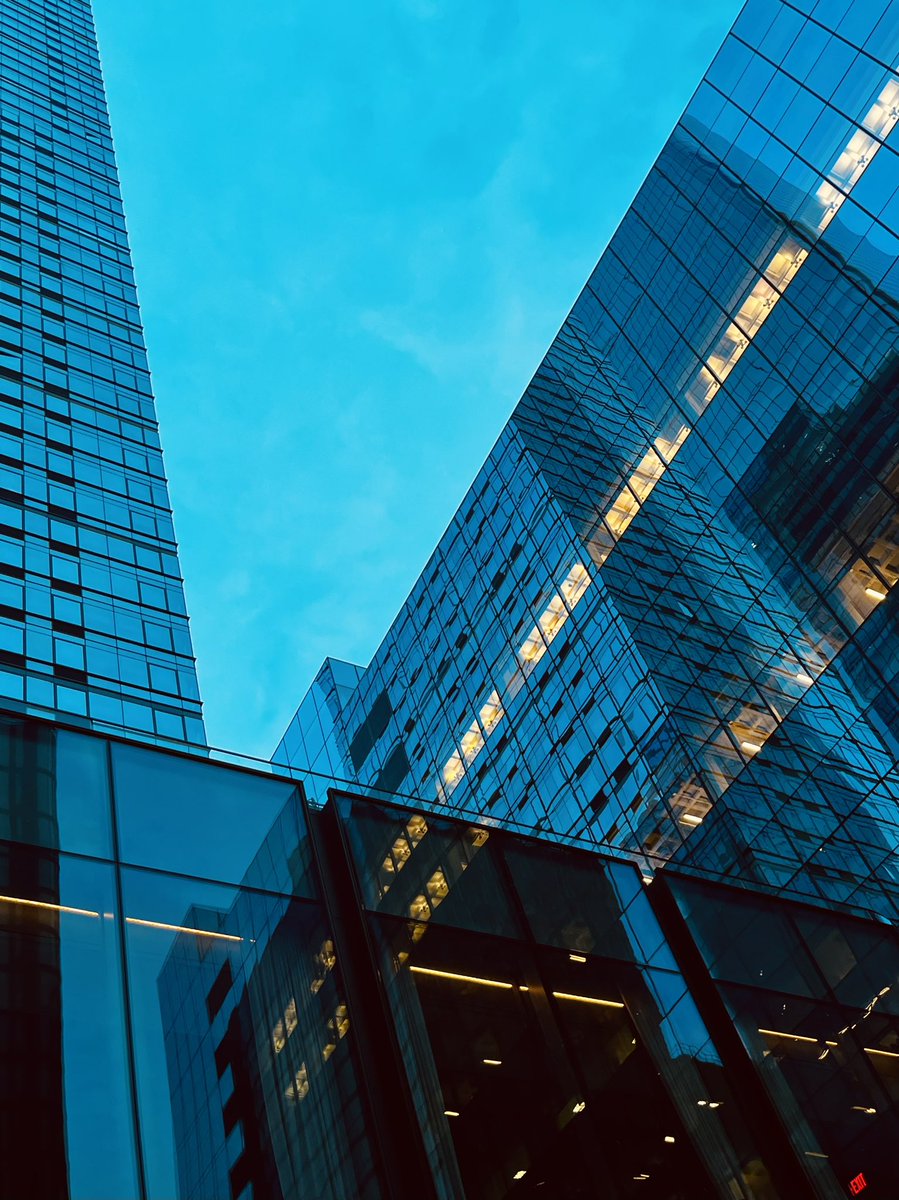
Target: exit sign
column 858, row 1184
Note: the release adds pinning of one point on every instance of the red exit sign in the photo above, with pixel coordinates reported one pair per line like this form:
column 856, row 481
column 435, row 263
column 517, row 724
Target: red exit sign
column 858, row 1184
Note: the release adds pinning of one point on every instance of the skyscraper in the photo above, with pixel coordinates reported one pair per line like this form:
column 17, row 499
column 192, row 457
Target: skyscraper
column 92, row 616
column 662, row 617
column 662, row 622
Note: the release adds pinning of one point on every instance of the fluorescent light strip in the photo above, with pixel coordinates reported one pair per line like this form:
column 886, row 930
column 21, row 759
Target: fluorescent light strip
column 434, row 973
column 588, row 1000
column 793, row 1037
column 60, row 908
column 882, row 1053
column 221, row 937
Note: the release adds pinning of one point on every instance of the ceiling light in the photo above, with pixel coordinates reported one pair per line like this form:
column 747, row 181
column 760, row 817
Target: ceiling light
column 588, row 1000
column 494, row 983
column 670, row 1140
column 581, row 958
column 519, row 1175
column 493, row 1062
column 449, row 1112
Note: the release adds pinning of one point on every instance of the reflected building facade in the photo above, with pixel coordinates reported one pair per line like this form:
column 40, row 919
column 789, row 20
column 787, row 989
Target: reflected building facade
column 662, row 618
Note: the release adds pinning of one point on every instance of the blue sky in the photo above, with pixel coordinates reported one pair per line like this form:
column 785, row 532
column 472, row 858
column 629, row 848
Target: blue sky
column 356, row 229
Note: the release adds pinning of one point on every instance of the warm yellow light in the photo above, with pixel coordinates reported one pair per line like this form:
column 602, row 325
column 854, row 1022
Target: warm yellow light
column 588, row 1000
column 882, row 1053
column 670, row 1140
column 793, row 1037
column 555, row 615
column 450, row 1112
column 576, row 584
column 491, row 713
column 416, row 828
column 472, row 743
column 60, row 908
column 207, row 933
column 805, row 680
column 870, row 1112
column 579, row 958
column 750, row 747
column 875, row 594
column 519, row 1175
column 299, row 1089
column 437, row 888
column 690, row 819
column 580, row 1106
column 432, row 971
column 453, row 770
column 493, row 1062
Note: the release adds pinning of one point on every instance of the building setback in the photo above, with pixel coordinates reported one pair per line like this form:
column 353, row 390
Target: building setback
column 662, row 619
column 584, row 887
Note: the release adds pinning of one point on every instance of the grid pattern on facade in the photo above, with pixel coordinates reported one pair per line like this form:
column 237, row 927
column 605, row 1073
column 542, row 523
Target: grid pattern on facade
column 92, row 616
column 711, row 439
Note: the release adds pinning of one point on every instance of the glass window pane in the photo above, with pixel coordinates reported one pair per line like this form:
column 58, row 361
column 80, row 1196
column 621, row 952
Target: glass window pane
column 63, row 1062
column 244, row 1051
column 198, row 818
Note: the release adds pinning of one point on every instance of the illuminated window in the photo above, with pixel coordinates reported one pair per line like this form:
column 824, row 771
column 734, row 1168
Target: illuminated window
column 299, row 1089
column 554, row 616
column 285, row 1026
column 491, row 713
column 529, row 654
column 472, row 743
column 858, row 153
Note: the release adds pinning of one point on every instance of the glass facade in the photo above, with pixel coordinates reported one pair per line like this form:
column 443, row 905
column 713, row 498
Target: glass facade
column 663, row 617
column 212, row 990
column 662, row 623
column 92, row 617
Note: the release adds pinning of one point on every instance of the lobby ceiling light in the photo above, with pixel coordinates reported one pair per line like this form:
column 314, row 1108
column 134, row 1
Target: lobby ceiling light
column 588, row 1000
column 434, row 973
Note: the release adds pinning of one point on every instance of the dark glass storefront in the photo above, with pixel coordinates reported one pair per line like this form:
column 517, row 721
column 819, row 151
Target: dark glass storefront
column 209, row 989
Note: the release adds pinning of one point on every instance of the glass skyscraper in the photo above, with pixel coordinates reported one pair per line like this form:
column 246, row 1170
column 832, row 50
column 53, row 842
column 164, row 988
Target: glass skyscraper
column 584, row 887
column 662, row 618
column 92, row 617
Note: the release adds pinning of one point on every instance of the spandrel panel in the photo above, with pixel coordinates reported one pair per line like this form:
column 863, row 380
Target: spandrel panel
column 569, row 900
column 66, row 1119
column 197, row 818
